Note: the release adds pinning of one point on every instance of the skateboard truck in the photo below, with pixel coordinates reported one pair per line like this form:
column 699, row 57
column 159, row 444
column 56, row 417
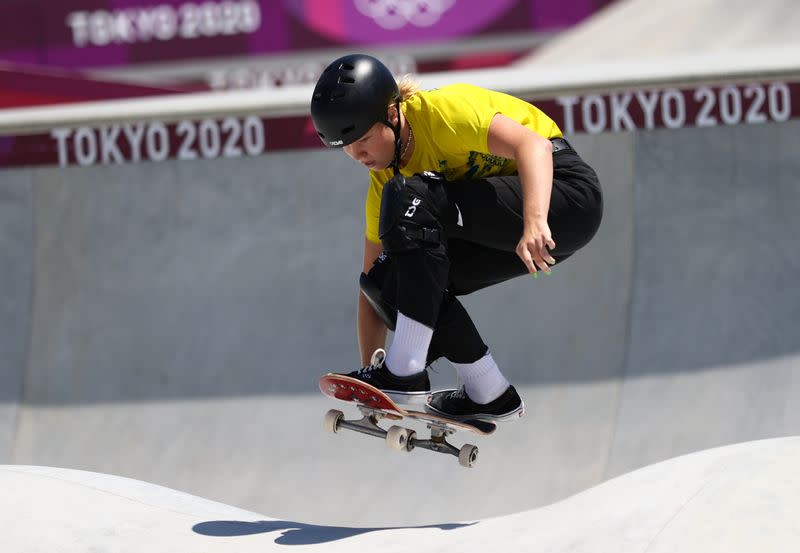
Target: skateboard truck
column 399, row 438
column 467, row 455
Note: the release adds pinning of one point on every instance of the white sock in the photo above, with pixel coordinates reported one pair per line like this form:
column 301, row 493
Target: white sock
column 482, row 379
column 409, row 349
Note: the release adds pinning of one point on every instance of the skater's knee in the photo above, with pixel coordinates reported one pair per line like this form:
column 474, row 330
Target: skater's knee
column 409, row 218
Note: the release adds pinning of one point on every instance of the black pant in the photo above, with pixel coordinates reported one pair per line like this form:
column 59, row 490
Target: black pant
column 482, row 223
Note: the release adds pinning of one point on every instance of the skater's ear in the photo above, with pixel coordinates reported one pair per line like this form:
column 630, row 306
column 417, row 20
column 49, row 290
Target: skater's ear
column 391, row 115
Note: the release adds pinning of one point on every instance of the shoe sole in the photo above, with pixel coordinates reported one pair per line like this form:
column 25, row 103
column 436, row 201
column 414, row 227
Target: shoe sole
column 407, row 398
column 505, row 417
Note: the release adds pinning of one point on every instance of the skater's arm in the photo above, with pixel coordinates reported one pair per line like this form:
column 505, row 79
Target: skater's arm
column 534, row 156
column 371, row 329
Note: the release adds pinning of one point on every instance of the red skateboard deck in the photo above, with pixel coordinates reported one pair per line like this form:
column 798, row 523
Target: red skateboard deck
column 350, row 389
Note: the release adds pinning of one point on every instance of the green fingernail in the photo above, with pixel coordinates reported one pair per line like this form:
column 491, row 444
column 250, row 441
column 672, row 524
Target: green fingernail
column 536, row 274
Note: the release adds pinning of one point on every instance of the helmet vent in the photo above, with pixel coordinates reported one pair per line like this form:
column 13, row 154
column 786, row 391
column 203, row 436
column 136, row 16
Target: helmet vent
column 347, row 66
column 346, row 80
column 337, row 94
column 349, row 129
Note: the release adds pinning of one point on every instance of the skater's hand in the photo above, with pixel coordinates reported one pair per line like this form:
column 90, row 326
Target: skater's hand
column 535, row 245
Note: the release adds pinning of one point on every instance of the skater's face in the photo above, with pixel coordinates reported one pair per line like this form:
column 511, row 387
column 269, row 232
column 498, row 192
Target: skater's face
column 375, row 150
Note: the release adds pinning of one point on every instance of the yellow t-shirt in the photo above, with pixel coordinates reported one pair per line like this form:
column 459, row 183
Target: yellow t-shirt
column 451, row 125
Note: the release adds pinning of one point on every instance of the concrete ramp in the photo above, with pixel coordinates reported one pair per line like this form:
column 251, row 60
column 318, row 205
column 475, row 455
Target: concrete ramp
column 666, row 30
column 737, row 498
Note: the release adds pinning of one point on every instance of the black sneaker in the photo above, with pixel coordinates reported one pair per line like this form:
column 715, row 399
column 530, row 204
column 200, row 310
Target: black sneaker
column 406, row 390
column 456, row 405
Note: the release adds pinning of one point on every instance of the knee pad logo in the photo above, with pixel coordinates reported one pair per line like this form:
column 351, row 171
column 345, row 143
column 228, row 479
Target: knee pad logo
column 412, row 209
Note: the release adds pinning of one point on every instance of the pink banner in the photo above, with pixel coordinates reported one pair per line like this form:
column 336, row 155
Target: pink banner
column 93, row 33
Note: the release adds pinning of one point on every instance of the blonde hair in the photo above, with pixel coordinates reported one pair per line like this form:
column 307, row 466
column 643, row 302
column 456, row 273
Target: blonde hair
column 408, row 87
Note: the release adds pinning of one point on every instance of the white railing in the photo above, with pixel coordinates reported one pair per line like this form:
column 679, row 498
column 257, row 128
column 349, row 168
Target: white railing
column 531, row 81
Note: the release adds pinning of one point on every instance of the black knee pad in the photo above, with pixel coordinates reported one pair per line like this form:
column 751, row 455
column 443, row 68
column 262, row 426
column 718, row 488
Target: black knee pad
column 371, row 289
column 411, row 212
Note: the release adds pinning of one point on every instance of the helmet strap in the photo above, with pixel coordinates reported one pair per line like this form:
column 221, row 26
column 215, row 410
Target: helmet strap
column 397, row 144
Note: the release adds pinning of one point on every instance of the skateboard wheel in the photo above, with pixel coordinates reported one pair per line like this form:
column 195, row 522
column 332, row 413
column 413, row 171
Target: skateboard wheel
column 399, row 438
column 468, row 455
column 332, row 420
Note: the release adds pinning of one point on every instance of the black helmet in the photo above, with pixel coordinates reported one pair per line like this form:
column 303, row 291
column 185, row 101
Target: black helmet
column 353, row 93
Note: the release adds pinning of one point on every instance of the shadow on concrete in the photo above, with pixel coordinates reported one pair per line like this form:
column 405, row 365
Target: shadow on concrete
column 296, row 533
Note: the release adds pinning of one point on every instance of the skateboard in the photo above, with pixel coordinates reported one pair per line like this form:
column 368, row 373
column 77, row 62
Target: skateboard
column 376, row 406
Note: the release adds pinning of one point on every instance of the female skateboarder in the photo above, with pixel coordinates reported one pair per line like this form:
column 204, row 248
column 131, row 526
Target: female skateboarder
column 468, row 188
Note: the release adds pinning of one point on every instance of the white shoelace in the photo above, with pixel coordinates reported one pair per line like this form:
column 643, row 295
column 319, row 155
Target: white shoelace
column 375, row 362
column 461, row 393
